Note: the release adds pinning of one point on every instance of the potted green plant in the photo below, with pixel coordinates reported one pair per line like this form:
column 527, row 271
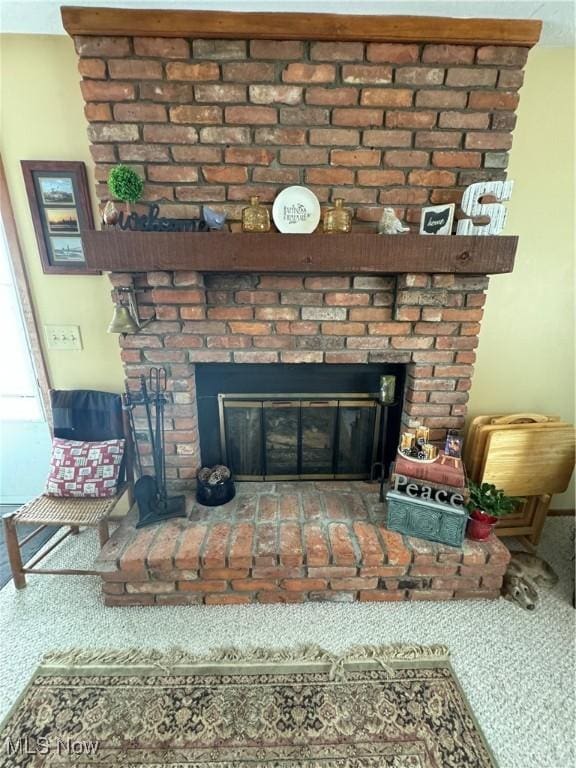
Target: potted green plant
column 486, row 505
column 125, row 184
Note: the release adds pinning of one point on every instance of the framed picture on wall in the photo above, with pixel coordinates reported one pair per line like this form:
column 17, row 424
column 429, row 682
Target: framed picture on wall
column 61, row 211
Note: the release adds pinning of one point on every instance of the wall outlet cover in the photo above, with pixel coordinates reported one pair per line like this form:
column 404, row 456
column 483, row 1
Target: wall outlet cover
column 63, row 337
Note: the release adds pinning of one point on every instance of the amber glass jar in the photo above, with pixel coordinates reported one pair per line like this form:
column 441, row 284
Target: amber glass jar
column 255, row 218
column 338, row 218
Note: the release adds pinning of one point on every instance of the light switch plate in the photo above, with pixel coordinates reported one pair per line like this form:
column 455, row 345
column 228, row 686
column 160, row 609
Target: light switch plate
column 63, row 337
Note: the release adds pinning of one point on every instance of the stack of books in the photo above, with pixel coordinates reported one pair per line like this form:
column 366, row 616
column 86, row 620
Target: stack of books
column 427, row 498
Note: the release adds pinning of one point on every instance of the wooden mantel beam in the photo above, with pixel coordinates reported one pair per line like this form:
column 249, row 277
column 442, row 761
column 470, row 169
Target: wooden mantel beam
column 299, row 26
column 355, row 253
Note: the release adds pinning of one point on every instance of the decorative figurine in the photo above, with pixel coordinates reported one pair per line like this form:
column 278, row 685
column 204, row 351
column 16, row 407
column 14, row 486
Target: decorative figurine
column 255, row 218
column 214, row 219
column 109, row 214
column 390, row 224
column 337, row 219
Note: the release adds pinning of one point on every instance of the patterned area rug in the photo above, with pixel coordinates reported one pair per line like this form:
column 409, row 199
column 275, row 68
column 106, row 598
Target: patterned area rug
column 396, row 707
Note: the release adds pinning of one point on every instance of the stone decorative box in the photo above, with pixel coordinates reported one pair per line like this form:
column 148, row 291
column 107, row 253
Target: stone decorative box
column 426, row 519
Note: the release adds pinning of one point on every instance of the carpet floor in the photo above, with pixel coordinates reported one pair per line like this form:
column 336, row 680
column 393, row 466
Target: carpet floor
column 516, row 667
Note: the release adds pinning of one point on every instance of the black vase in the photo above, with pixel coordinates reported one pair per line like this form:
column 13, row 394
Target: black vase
column 215, row 495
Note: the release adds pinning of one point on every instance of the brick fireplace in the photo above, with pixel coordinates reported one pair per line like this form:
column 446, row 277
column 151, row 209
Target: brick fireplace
column 430, row 323
column 216, row 121
column 213, row 121
column 404, row 115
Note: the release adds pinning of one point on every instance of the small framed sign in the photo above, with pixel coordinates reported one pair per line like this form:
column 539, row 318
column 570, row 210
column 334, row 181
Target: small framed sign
column 437, row 219
column 61, row 211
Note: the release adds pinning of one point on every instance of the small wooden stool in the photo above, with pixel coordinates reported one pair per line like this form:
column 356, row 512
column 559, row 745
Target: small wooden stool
column 47, row 511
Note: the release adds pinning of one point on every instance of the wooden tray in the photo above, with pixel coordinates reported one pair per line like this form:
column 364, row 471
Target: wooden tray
column 487, row 425
column 530, row 461
column 470, row 442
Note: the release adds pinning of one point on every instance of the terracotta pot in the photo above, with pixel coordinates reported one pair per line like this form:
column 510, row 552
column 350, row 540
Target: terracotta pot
column 480, row 525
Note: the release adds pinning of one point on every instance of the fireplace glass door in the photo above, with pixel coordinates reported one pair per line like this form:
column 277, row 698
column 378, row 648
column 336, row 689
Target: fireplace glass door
column 319, row 421
column 303, row 437
column 244, row 428
column 356, row 425
column 281, row 429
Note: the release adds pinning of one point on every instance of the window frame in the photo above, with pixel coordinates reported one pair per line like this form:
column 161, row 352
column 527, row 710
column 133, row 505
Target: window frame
column 22, row 286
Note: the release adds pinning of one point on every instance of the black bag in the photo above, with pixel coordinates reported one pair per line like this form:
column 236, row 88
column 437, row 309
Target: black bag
column 88, row 416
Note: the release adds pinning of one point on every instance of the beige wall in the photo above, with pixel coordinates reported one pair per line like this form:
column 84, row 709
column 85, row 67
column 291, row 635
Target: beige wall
column 42, row 119
column 526, row 355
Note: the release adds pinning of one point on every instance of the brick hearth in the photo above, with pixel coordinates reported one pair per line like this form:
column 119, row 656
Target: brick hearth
column 290, row 543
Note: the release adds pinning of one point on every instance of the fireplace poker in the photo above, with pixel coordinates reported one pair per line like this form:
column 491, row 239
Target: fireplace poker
column 146, row 401
column 127, row 404
column 157, row 383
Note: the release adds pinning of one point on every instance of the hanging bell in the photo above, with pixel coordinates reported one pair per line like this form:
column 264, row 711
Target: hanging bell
column 122, row 321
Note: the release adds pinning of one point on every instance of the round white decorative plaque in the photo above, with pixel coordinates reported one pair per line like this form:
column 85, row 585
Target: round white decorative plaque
column 296, row 210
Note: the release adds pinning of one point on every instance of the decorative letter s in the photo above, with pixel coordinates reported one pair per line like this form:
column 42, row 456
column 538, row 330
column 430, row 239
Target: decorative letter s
column 471, row 206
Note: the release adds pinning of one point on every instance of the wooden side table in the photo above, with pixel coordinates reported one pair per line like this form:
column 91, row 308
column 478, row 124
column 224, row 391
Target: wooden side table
column 528, row 522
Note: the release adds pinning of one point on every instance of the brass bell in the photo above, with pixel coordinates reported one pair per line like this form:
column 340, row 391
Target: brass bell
column 122, row 321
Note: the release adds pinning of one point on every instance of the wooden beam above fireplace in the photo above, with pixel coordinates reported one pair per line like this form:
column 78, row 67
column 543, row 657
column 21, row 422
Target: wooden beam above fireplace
column 299, row 26
column 355, row 253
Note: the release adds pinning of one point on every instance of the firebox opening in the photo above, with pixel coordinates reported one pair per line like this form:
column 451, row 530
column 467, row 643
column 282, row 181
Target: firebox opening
column 297, row 422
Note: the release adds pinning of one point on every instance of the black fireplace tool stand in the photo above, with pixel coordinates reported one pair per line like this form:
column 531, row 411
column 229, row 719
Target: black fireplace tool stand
column 150, row 492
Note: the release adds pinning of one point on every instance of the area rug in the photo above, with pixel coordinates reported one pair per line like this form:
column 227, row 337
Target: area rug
column 394, row 707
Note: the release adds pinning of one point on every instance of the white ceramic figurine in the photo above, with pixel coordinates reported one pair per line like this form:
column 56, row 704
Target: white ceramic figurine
column 390, row 224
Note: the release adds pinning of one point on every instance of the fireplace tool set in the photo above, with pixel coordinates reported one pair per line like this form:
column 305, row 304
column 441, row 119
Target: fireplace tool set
column 154, row 504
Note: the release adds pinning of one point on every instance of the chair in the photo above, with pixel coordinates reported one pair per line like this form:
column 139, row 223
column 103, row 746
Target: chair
column 84, row 415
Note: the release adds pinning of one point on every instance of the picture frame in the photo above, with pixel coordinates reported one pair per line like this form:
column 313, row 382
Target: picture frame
column 437, row 219
column 453, row 444
column 61, row 210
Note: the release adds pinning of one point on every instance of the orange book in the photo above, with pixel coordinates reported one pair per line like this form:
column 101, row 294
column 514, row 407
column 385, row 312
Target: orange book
column 446, row 470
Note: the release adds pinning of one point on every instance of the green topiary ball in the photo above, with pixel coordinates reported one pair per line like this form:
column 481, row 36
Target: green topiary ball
column 125, row 184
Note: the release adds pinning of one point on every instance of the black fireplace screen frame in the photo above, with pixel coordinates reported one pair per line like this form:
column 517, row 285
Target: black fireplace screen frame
column 366, row 406
column 212, row 379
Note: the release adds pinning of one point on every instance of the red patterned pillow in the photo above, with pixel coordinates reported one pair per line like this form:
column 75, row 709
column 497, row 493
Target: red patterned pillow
column 88, row 470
